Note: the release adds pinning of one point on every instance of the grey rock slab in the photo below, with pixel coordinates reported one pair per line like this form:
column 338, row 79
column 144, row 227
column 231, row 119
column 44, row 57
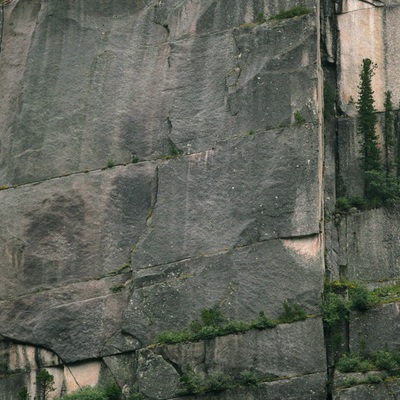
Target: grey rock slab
column 72, row 228
column 276, row 75
column 74, row 321
column 369, row 245
column 287, row 350
column 376, row 329
column 123, row 368
column 89, row 86
column 203, row 17
column 11, row 384
column 243, row 281
column 84, row 87
column 350, row 175
column 157, row 378
column 250, row 189
column 238, row 88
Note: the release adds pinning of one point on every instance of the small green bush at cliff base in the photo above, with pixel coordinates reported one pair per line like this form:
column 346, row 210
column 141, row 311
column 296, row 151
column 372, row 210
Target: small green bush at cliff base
column 87, row 393
column 110, row 391
column 290, row 13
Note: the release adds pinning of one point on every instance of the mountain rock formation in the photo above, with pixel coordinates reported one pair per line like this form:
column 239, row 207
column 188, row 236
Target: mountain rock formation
column 160, row 158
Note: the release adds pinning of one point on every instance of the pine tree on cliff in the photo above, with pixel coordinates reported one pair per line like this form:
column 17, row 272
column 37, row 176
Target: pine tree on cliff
column 371, row 155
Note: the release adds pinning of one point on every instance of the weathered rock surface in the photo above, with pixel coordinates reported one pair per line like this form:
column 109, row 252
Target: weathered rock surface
column 95, row 262
column 369, row 245
column 376, row 330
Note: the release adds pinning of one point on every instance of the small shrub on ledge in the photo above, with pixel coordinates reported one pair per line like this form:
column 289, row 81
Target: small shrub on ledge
column 296, row 11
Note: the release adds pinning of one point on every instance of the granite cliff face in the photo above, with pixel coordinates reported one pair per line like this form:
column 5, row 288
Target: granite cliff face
column 159, row 158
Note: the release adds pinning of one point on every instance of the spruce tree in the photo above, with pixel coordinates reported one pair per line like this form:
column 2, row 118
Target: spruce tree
column 371, row 155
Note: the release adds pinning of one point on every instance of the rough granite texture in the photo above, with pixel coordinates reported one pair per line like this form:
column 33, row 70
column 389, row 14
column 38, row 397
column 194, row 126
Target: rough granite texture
column 159, row 157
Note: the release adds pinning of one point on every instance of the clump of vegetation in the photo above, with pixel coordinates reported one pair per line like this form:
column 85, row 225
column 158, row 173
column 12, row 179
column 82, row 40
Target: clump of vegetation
column 117, row 288
column 23, row 394
column 298, row 118
column 191, row 384
column 370, row 379
column 341, row 297
column 292, row 312
column 260, row 18
column 109, row 392
column 212, row 324
column 110, row 163
column 344, row 204
column 296, row 11
column 382, row 360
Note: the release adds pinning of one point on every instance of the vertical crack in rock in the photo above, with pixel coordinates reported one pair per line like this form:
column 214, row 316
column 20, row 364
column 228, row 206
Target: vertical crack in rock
column 154, row 194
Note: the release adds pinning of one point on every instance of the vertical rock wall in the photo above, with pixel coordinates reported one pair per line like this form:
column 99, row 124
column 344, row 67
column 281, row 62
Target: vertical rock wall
column 162, row 157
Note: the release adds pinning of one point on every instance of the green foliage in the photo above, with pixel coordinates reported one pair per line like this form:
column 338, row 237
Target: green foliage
column 190, row 383
column 334, row 309
column 292, row 313
column 354, row 363
column 211, row 316
column 361, row 299
column 342, row 296
column 262, row 322
column 113, row 391
column 117, row 288
column 382, row 189
column 298, row 118
column 344, row 204
column 212, row 324
column 387, row 361
column 260, row 18
column 290, row 13
column 23, row 394
column 218, row 382
column 45, row 384
column 248, row 378
column 87, row 393
column 379, row 187
column 383, row 360
column 110, row 163
column 370, row 379
column 367, row 120
column 135, row 159
column 388, row 130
